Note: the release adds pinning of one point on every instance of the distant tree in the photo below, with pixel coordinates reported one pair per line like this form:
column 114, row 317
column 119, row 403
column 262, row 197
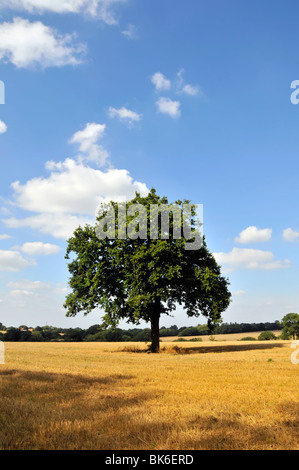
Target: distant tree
column 23, row 327
column 36, row 336
column 266, row 336
column 290, row 325
column 92, row 330
column 12, row 334
column 190, row 331
column 136, row 279
column 171, row 331
column 204, row 330
column 73, row 335
column 25, row 336
column 144, row 335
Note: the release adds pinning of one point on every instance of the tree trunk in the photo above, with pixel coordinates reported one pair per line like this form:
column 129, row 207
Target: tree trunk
column 155, row 331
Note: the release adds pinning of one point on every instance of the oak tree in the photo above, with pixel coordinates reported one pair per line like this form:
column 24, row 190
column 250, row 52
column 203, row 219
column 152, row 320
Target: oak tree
column 136, row 277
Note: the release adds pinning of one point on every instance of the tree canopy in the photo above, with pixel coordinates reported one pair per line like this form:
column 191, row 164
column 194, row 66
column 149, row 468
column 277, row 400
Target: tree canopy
column 290, row 324
column 136, row 277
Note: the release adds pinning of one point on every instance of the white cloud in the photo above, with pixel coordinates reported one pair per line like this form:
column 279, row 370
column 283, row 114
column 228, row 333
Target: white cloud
column 239, row 293
column 290, row 235
column 4, row 236
column 249, row 258
column 28, row 44
column 58, row 225
column 3, row 127
column 188, row 89
column 13, row 261
column 167, row 106
column 87, row 140
column 161, row 82
column 254, row 235
column 69, row 196
column 73, row 188
column 26, row 285
column 39, row 248
column 95, row 8
column 19, row 293
column 125, row 114
column 130, row 32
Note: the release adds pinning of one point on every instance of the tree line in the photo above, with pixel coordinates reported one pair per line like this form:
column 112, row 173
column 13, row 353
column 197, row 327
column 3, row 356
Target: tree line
column 97, row 334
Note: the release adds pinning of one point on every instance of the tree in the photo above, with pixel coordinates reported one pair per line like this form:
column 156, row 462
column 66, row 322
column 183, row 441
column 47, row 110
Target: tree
column 140, row 278
column 266, row 336
column 290, row 325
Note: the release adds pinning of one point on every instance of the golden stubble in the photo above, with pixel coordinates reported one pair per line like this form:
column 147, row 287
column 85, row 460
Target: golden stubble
column 212, row 395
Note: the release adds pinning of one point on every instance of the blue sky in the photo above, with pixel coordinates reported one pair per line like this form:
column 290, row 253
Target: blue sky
column 106, row 97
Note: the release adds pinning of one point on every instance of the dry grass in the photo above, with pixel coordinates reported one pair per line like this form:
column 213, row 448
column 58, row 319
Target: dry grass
column 224, row 337
column 230, row 395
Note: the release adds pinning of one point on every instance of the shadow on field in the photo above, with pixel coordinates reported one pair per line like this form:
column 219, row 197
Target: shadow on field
column 50, row 411
column 230, row 432
column 175, row 349
column 44, row 410
column 233, row 347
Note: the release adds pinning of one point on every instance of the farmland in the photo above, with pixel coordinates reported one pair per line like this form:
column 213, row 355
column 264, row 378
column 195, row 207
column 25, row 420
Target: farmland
column 220, row 395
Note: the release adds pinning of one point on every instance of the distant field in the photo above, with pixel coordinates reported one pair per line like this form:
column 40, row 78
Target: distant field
column 211, row 395
column 229, row 337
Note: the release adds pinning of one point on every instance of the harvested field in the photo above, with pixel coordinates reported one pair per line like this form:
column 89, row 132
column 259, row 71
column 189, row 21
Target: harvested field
column 114, row 396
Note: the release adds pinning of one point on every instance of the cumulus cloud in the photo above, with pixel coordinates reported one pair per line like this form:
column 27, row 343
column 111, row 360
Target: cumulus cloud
column 102, row 9
column 290, row 235
column 69, row 196
column 39, row 249
column 190, row 90
column 73, row 188
column 27, row 44
column 13, row 261
column 87, row 139
column 186, row 88
column 57, row 225
column 3, row 127
column 249, row 258
column 125, row 115
column 254, row 235
column 161, row 82
column 168, row 106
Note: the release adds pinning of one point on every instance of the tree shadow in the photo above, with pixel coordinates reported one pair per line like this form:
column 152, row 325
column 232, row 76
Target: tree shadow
column 187, row 349
column 234, row 347
column 51, row 411
column 45, row 410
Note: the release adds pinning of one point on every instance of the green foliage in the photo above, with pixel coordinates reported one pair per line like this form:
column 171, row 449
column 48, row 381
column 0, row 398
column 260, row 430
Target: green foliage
column 290, row 324
column 190, row 331
column 248, row 338
column 136, row 279
column 36, row 336
column 266, row 336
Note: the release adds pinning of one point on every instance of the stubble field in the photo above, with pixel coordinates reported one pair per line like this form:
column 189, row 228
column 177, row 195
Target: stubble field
column 114, row 396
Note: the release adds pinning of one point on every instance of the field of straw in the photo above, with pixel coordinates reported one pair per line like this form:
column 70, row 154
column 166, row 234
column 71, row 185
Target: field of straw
column 211, row 395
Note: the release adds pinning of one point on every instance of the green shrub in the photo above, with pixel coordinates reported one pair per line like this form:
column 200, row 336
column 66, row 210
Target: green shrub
column 248, row 338
column 266, row 336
